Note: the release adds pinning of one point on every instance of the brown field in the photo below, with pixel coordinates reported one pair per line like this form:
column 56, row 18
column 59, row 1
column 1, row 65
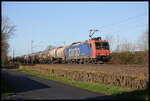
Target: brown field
column 132, row 76
column 112, row 68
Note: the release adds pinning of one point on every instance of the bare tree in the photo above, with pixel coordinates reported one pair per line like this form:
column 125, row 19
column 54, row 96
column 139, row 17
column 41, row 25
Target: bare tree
column 127, row 46
column 117, row 43
column 143, row 41
column 122, row 45
column 132, row 47
column 111, row 39
column 114, row 42
column 7, row 30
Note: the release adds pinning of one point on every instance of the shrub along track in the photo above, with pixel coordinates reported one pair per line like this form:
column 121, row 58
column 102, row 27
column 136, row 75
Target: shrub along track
column 132, row 76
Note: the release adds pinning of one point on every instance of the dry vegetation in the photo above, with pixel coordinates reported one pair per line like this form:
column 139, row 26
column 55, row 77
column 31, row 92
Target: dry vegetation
column 132, row 76
column 130, row 58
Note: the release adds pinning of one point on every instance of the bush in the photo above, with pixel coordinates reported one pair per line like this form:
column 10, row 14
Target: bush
column 129, row 58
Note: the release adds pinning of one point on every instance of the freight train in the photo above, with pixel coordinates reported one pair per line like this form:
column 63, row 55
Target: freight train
column 93, row 51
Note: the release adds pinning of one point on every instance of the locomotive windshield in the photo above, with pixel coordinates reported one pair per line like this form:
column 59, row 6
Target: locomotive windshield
column 102, row 45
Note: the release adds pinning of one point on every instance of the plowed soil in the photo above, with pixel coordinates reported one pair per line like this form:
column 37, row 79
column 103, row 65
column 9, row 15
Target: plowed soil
column 113, row 68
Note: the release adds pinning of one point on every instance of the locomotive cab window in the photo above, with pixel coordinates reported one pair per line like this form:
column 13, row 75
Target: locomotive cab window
column 102, row 45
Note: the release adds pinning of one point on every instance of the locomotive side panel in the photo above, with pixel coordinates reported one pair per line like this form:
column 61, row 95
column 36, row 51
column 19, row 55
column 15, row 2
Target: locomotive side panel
column 79, row 51
column 85, row 51
column 72, row 52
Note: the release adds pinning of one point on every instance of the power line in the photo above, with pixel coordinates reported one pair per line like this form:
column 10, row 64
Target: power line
column 137, row 26
column 129, row 18
column 125, row 20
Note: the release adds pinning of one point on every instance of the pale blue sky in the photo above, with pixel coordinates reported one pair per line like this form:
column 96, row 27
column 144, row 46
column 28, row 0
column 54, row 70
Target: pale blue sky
column 54, row 22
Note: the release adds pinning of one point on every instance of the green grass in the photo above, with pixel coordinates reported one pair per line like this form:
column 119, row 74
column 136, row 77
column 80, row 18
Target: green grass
column 6, row 88
column 119, row 92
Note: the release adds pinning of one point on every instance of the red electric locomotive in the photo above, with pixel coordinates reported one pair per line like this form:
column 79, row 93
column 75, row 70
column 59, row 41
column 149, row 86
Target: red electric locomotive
column 100, row 49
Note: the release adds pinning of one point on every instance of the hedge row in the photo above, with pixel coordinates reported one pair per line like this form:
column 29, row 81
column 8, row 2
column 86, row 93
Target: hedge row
column 129, row 58
column 115, row 79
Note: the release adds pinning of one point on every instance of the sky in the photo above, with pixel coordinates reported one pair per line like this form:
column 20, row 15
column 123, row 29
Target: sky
column 53, row 23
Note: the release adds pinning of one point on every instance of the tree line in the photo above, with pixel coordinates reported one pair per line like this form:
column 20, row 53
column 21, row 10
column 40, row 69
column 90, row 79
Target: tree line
column 123, row 45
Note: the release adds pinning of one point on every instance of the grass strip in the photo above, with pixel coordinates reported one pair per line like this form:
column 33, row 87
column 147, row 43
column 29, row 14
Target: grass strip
column 119, row 92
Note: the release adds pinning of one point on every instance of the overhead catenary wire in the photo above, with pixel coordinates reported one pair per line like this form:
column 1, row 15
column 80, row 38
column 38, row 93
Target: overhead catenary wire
column 119, row 22
column 116, row 31
column 122, row 21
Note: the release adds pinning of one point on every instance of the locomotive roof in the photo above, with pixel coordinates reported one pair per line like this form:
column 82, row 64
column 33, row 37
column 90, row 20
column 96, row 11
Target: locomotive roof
column 78, row 43
column 98, row 40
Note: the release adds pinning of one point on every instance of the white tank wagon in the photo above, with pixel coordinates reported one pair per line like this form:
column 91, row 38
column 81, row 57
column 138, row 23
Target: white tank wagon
column 43, row 56
column 31, row 57
column 26, row 58
column 40, row 57
column 48, row 54
column 52, row 54
column 36, row 55
column 60, row 53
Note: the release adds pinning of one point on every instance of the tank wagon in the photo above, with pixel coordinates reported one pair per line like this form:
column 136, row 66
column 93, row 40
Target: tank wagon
column 26, row 59
column 52, row 54
column 41, row 57
column 60, row 54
